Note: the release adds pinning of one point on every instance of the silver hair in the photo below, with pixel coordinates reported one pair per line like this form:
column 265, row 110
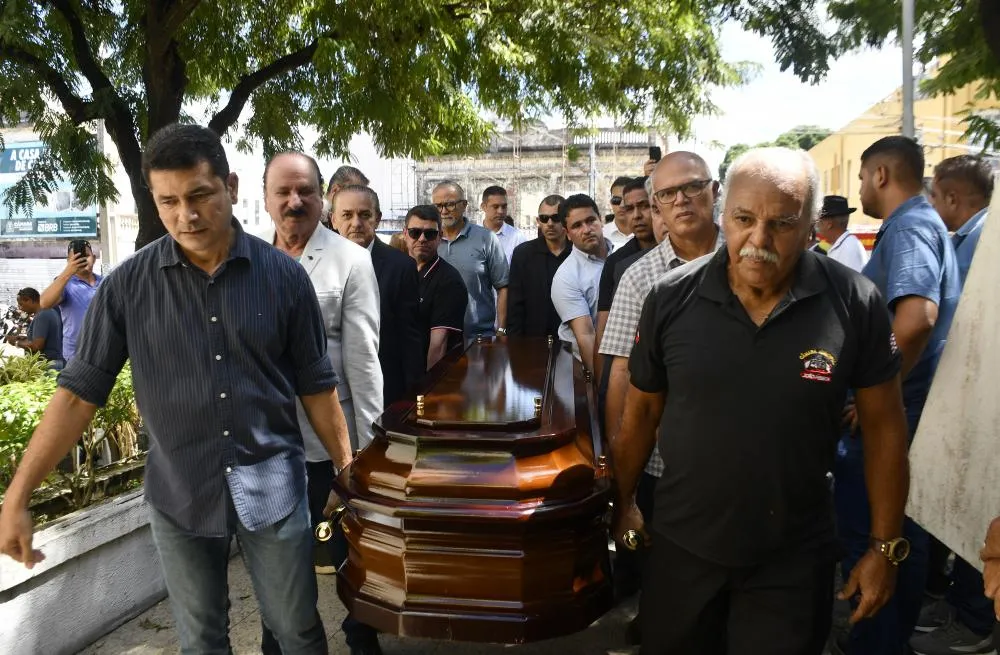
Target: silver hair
column 781, row 167
column 451, row 184
column 649, row 186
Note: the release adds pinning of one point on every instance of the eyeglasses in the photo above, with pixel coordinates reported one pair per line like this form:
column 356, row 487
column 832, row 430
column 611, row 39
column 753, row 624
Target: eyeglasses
column 693, row 189
column 616, row 200
column 451, row 204
column 545, row 218
column 429, row 234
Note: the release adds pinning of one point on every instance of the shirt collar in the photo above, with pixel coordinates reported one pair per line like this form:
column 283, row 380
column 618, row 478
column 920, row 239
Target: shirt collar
column 970, row 224
column 594, row 258
column 542, row 246
column 464, row 232
column 171, row 254
column 371, row 244
column 809, row 278
column 429, row 266
column 840, row 240
column 907, row 206
column 666, row 249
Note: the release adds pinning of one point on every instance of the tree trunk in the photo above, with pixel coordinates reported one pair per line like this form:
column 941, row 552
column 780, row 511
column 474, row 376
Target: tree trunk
column 989, row 14
column 150, row 226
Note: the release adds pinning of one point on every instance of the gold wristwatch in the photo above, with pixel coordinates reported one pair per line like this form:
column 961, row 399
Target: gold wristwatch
column 894, row 550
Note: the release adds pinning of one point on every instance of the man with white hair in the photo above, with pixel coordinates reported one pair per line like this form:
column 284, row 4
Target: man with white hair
column 744, row 359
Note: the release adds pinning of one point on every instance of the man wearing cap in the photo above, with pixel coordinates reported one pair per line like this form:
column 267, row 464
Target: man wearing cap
column 831, row 227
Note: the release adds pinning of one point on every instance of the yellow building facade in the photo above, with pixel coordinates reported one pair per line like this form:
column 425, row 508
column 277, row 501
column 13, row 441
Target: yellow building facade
column 939, row 128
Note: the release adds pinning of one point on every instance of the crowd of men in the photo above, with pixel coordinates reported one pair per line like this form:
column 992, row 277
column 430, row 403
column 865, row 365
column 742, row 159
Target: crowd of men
column 760, row 379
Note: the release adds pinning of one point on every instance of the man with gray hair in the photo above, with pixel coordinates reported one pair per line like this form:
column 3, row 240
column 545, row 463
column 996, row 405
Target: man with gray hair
column 476, row 252
column 344, row 176
column 743, row 521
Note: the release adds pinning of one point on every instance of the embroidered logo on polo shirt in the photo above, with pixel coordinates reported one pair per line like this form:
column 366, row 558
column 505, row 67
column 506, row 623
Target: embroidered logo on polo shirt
column 817, row 365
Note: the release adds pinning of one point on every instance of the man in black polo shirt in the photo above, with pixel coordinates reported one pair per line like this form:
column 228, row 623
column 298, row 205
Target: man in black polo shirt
column 747, row 355
column 443, row 296
column 530, row 312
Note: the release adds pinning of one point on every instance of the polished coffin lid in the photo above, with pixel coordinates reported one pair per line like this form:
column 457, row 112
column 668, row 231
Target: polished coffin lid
column 479, row 510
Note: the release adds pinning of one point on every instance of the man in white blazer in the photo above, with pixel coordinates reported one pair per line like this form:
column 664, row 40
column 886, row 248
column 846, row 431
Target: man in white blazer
column 344, row 279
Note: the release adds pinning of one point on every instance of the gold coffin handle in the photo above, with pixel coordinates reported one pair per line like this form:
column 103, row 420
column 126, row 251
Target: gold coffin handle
column 324, row 531
column 633, row 540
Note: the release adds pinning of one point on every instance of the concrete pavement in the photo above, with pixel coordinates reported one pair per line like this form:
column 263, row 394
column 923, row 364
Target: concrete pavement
column 152, row 632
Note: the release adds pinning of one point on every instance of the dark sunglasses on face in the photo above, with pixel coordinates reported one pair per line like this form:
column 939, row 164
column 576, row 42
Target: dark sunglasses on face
column 616, row 200
column 545, row 218
column 415, row 232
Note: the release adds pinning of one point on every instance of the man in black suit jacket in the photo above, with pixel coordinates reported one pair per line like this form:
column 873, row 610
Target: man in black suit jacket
column 355, row 215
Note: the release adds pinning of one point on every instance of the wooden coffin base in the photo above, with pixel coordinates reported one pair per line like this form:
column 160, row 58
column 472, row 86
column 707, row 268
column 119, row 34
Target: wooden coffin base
column 511, row 586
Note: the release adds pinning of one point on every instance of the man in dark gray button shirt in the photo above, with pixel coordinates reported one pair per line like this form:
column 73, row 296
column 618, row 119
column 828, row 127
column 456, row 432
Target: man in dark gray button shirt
column 44, row 331
column 223, row 333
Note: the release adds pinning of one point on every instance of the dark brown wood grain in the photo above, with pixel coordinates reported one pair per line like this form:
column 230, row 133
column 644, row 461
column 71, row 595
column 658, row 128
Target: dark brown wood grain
column 480, row 514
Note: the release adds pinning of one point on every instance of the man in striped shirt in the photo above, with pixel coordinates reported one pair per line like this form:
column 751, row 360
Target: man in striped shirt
column 224, row 332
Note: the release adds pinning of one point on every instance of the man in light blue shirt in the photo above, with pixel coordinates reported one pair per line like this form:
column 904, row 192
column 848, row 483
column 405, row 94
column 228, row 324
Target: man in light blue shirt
column 961, row 194
column 913, row 265
column 576, row 282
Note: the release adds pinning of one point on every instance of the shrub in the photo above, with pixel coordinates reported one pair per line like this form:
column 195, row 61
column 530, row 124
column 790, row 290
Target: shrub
column 26, row 386
column 21, row 407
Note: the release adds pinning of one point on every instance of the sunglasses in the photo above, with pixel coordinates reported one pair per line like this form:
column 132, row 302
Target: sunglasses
column 616, row 200
column 414, row 233
column 545, row 218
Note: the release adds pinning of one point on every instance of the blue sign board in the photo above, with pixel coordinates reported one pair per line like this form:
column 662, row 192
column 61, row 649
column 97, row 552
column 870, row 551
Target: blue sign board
column 61, row 216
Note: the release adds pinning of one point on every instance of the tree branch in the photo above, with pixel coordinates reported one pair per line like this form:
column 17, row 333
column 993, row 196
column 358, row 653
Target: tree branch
column 81, row 48
column 989, row 16
column 228, row 115
column 78, row 109
column 170, row 22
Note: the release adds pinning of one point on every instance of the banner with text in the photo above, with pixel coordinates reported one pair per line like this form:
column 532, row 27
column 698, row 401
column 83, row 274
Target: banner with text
column 62, row 215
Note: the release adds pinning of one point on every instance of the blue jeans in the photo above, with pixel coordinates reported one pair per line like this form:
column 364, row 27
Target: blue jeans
column 889, row 631
column 279, row 560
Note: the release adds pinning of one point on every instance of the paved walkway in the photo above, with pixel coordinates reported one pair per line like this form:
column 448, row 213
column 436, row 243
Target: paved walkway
column 152, row 633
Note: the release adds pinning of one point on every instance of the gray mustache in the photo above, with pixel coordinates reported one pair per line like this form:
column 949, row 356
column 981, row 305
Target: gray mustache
column 750, row 252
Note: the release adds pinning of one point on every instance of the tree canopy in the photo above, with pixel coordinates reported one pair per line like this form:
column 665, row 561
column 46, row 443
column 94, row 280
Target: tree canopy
column 415, row 74
column 963, row 37
column 803, row 137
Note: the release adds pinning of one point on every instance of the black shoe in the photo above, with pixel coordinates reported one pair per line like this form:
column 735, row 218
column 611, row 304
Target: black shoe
column 323, row 558
column 367, row 649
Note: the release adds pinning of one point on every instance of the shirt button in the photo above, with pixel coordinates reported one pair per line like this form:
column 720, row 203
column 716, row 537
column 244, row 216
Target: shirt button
column 214, row 319
column 229, row 469
column 222, row 395
column 218, row 357
column 225, row 433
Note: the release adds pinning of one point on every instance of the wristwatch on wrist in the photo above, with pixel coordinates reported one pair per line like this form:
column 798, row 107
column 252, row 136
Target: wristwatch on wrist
column 894, row 550
column 501, row 332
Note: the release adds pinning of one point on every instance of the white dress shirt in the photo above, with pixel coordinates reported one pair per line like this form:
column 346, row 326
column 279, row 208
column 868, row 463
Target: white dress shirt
column 849, row 251
column 510, row 237
column 614, row 235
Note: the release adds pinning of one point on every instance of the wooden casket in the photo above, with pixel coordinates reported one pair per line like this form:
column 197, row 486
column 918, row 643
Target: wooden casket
column 480, row 510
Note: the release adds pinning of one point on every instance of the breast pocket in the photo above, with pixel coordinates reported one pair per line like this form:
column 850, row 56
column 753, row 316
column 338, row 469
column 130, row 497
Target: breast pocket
column 330, row 303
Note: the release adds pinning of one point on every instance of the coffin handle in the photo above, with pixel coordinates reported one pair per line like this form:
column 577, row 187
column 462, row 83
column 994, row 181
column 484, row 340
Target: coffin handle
column 324, row 530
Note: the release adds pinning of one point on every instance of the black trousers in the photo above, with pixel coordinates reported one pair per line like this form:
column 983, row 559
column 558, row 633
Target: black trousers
column 690, row 605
